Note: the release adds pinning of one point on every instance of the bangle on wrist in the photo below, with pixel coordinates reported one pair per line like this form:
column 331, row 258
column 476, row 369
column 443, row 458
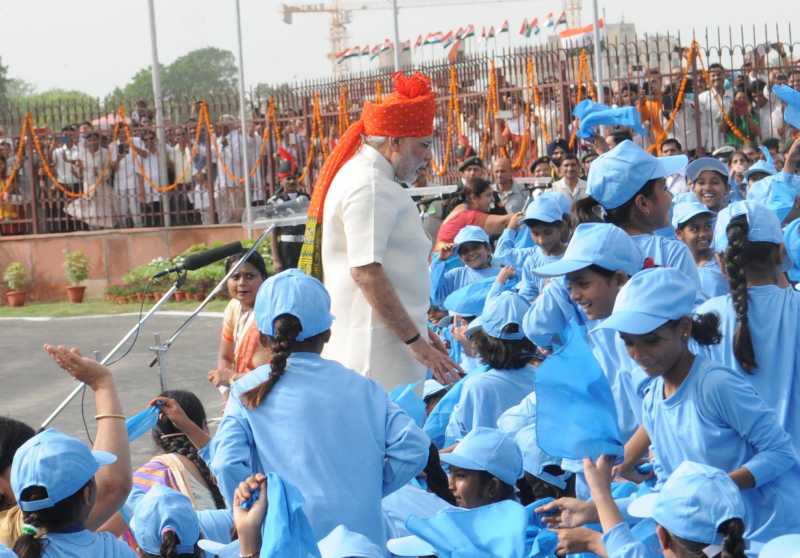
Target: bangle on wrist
column 412, row 340
column 110, row 416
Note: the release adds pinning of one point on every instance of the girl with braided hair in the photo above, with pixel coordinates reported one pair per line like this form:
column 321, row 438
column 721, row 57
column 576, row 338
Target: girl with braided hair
column 759, row 318
column 324, row 428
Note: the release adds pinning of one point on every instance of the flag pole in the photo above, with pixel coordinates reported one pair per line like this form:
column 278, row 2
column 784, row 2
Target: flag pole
column 243, row 137
column 598, row 61
column 396, row 37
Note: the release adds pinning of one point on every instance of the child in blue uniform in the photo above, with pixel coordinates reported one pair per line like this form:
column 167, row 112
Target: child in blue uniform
column 709, row 180
column 498, row 338
column 626, row 187
column 52, row 477
column 699, row 511
column 760, row 319
column 699, row 410
column 474, row 249
column 694, row 226
column 323, row 428
column 484, row 468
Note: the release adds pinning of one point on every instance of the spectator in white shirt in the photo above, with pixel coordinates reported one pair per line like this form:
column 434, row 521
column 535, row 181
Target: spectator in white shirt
column 150, row 175
column 761, row 109
column 64, row 162
column 571, row 183
column 180, row 160
column 230, row 194
column 96, row 208
column 676, row 183
column 712, row 104
column 127, row 184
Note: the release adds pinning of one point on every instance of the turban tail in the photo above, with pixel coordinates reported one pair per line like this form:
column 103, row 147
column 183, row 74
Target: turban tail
column 408, row 112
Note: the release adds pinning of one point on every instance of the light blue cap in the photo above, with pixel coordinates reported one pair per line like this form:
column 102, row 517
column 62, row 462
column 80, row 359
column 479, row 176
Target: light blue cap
column 684, row 211
column 564, row 201
column 470, row 233
column 507, row 308
column 488, row 449
column 163, row 509
column 601, row 244
column 431, row 388
column 545, row 209
column 760, row 166
column 763, row 225
column 344, row 543
column 693, row 503
column 469, row 299
column 60, row 464
column 519, row 416
column 781, row 199
column 295, row 293
column 650, row 299
column 791, row 241
column 534, row 459
column 697, row 166
column 785, row 546
column 617, row 175
column 220, row 550
column 791, row 114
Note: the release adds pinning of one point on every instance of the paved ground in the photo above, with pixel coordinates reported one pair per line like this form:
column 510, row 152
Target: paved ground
column 33, row 385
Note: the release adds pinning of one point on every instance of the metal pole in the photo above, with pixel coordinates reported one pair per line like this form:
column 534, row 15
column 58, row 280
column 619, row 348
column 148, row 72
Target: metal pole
column 244, row 133
column 598, row 60
column 396, row 37
column 160, row 134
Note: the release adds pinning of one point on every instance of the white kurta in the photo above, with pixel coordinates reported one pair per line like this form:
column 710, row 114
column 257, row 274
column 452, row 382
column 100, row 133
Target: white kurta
column 368, row 218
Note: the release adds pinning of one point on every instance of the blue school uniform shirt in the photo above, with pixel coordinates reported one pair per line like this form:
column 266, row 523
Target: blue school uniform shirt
column 328, row 431
column 551, row 314
column 666, row 252
column 507, row 249
column 99, row 544
column 459, row 277
column 712, row 282
column 486, row 396
column 531, row 285
column 774, row 317
column 717, row 418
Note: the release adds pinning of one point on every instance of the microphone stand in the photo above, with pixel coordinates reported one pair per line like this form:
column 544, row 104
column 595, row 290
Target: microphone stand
column 131, row 332
column 162, row 348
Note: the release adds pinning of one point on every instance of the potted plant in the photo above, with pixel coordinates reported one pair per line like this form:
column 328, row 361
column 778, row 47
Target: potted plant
column 76, row 269
column 15, row 278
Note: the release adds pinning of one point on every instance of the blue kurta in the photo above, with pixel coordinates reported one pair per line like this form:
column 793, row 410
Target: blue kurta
column 712, row 282
column 454, row 279
column 331, row 433
column 774, row 318
column 86, row 543
column 716, row 418
column 669, row 253
column 486, row 396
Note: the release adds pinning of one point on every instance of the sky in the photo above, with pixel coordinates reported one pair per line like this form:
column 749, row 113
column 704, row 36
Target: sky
column 96, row 45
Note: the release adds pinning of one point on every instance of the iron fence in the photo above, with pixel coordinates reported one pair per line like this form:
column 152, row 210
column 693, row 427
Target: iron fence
column 94, row 165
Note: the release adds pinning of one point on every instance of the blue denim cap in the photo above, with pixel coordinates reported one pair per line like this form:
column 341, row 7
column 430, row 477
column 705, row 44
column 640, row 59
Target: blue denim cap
column 791, row 241
column 163, row 509
column 470, row 233
column 650, row 299
column 60, row 464
column 534, row 459
column 785, row 546
column 344, row 543
column 617, row 175
column 601, row 244
column 505, row 309
column 763, row 225
column 684, row 211
column 297, row 294
column 760, row 166
column 545, row 209
column 791, row 114
column 694, row 501
column 697, row 166
column 488, row 449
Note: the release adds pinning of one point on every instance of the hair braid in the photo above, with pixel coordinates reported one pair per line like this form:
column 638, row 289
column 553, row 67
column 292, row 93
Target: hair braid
column 286, row 328
column 733, row 543
column 735, row 265
column 182, row 446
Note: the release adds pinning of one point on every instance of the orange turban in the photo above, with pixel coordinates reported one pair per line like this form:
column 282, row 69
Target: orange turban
column 408, row 112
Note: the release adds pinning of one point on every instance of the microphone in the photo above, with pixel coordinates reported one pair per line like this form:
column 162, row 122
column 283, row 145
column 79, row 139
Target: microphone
column 202, row 259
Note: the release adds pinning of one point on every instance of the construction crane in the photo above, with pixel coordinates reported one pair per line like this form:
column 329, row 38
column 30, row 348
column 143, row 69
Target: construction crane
column 341, row 15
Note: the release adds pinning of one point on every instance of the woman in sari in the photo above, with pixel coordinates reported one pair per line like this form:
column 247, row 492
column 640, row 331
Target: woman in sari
column 240, row 348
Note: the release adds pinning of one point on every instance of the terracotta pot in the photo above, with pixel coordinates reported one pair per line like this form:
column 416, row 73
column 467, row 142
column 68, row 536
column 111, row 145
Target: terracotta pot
column 75, row 294
column 131, row 299
column 121, row 299
column 139, row 297
column 180, row 296
column 200, row 297
column 15, row 298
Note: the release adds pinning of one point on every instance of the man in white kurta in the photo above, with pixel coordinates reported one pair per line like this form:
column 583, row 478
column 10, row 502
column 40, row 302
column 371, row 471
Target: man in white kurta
column 369, row 218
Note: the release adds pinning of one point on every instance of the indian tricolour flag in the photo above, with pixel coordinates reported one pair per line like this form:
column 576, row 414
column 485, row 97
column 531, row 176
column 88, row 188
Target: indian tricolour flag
column 581, row 34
